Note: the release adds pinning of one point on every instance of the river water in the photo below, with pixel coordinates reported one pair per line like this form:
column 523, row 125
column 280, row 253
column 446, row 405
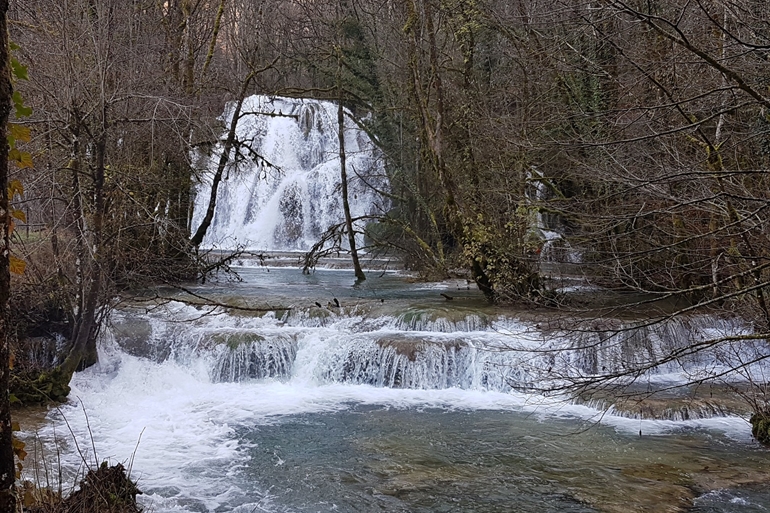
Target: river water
column 397, row 400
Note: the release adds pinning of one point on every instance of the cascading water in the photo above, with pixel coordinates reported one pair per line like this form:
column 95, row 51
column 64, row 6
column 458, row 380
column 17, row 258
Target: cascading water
column 285, row 191
column 422, row 349
column 395, row 400
column 555, row 247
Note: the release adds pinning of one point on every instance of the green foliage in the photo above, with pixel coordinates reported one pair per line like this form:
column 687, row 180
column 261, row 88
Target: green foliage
column 760, row 427
column 38, row 388
column 21, row 110
column 18, row 70
column 504, row 259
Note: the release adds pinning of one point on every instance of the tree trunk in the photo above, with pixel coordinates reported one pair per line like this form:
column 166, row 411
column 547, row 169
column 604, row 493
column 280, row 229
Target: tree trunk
column 7, row 467
column 188, row 78
column 213, row 43
column 223, row 160
column 360, row 276
column 82, row 351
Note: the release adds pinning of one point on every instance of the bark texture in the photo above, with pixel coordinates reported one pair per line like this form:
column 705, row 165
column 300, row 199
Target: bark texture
column 7, row 468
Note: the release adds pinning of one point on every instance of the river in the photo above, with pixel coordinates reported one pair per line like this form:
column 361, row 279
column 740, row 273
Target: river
column 397, row 400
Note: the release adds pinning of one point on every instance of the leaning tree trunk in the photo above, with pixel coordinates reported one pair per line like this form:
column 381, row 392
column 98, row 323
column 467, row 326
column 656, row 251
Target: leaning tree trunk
column 224, row 158
column 7, row 467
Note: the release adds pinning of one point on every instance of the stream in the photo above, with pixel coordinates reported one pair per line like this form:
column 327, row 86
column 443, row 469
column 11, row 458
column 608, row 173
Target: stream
column 397, row 400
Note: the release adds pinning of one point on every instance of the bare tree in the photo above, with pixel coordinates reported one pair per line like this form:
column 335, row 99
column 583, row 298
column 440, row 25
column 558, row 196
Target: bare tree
column 114, row 192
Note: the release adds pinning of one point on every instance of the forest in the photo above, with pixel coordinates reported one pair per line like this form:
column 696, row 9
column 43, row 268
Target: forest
column 637, row 129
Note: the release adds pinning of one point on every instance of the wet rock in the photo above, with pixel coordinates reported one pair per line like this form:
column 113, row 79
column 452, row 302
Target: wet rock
column 411, row 348
column 233, row 339
column 685, row 403
column 133, row 335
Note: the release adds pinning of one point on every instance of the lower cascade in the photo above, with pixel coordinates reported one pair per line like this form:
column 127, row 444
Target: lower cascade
column 284, row 193
column 389, row 399
column 423, row 349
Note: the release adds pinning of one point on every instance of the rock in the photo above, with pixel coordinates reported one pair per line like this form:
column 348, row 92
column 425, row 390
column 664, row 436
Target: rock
column 37, row 387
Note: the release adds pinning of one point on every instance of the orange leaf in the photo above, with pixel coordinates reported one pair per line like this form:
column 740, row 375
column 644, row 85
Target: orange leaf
column 26, row 160
column 21, row 158
column 18, row 445
column 20, row 132
column 20, row 215
column 17, row 265
column 15, row 187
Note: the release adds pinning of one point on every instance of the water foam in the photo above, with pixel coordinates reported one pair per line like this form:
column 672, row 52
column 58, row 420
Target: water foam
column 181, row 408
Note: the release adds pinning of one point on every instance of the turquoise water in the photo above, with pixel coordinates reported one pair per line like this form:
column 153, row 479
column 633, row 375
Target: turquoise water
column 177, row 395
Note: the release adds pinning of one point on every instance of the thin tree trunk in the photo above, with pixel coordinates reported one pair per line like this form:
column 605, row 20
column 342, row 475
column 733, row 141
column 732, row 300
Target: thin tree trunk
column 224, row 158
column 189, row 60
column 213, row 43
column 360, row 276
column 7, row 467
column 82, row 353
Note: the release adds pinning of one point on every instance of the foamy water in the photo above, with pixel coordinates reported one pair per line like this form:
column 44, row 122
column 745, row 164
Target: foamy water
column 371, row 406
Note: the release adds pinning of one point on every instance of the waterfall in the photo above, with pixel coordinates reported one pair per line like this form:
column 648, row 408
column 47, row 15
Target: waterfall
column 215, row 406
column 423, row 349
column 555, row 247
column 281, row 192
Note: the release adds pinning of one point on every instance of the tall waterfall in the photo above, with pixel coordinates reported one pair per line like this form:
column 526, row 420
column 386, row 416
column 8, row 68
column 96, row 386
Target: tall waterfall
column 282, row 192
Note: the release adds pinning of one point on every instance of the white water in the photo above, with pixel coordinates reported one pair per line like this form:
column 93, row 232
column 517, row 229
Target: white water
column 287, row 194
column 181, row 428
column 187, row 393
column 555, row 247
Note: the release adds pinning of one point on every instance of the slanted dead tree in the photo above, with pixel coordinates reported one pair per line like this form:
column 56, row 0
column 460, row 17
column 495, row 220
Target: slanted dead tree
column 224, row 159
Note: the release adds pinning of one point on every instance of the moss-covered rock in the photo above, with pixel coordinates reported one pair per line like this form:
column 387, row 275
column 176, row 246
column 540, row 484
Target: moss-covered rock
column 233, row 339
column 39, row 387
column 760, row 427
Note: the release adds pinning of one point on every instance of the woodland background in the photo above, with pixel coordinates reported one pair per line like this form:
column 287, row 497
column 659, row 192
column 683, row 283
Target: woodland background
column 637, row 129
